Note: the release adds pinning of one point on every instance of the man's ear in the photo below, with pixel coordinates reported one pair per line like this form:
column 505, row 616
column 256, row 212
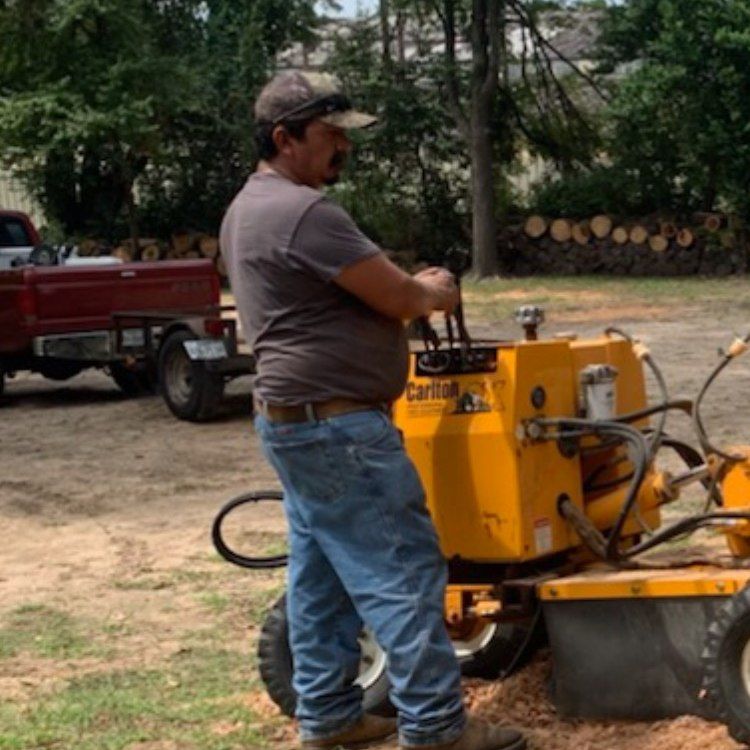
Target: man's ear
column 281, row 139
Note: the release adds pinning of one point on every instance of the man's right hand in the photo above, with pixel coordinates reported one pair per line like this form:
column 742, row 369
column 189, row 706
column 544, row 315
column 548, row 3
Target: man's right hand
column 440, row 286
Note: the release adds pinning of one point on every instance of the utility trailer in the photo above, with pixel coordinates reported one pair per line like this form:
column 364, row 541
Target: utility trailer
column 193, row 353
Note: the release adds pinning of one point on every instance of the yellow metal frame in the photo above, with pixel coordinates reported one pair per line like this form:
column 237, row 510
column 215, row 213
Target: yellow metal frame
column 646, row 584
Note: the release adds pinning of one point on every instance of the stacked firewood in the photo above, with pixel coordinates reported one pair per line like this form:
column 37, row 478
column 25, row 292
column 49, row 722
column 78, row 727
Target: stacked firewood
column 710, row 244
column 181, row 245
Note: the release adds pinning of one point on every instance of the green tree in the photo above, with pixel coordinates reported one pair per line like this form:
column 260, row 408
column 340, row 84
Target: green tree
column 679, row 122
column 117, row 109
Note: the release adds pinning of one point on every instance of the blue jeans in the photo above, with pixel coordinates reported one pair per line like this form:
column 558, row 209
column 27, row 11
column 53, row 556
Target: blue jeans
column 362, row 548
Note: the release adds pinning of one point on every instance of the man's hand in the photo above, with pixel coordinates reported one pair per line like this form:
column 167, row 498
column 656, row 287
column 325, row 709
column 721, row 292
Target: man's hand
column 440, row 286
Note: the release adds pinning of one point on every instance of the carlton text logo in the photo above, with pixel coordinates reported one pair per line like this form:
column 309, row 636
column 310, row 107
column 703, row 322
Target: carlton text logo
column 435, row 390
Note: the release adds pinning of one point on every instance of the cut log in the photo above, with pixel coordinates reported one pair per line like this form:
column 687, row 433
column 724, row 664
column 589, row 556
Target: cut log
column 685, row 238
column 535, row 226
column 208, row 246
column 713, row 222
column 560, row 230
column 581, row 232
column 151, row 252
column 667, row 229
column 123, row 253
column 620, row 235
column 638, row 234
column 181, row 243
column 601, row 226
column 658, row 243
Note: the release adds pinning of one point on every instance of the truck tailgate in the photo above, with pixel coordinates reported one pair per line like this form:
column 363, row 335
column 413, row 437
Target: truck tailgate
column 61, row 299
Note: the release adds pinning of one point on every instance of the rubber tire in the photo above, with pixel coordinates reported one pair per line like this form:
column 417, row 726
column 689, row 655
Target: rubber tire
column 207, row 388
column 132, row 383
column 501, row 653
column 726, row 638
column 275, row 666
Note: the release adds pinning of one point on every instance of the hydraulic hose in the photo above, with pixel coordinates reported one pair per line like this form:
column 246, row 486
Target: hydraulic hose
column 639, row 457
column 738, row 347
column 643, row 353
column 255, row 563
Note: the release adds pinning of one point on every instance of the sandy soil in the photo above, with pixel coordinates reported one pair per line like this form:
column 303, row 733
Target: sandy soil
column 97, row 490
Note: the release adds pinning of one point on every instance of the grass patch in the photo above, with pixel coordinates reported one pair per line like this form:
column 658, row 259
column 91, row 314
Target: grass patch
column 502, row 296
column 50, row 633
column 185, row 701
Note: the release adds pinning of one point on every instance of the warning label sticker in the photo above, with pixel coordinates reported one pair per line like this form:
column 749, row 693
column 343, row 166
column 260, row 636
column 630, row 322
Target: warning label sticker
column 543, row 535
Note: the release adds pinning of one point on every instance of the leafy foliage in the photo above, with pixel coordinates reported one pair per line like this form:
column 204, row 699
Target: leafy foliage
column 98, row 94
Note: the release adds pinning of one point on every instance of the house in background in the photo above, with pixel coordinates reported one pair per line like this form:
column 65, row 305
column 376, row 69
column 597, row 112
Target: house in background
column 14, row 197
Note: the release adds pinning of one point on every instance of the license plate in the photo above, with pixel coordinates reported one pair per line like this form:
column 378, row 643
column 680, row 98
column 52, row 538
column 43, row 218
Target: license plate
column 205, row 349
column 133, row 338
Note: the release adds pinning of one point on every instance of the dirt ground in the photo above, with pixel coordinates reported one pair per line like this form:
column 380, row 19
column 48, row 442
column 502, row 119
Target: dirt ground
column 105, row 502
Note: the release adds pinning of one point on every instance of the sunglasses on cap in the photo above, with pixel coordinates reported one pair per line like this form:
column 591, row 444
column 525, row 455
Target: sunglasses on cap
column 323, row 105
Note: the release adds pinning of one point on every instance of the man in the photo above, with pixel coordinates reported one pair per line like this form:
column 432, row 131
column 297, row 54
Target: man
column 324, row 310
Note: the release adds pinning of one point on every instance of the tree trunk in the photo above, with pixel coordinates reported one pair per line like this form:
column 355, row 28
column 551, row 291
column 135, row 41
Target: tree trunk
column 485, row 40
column 385, row 34
column 132, row 215
column 483, row 222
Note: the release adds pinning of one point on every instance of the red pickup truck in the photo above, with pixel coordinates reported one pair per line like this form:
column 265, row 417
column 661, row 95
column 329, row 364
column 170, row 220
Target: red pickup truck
column 138, row 321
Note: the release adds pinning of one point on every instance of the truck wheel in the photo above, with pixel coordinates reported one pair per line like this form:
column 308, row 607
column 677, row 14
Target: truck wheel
column 133, row 383
column 726, row 666
column 190, row 390
column 275, row 665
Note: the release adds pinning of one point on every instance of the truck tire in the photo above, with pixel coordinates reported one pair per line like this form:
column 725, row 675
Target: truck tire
column 190, row 390
column 138, row 382
column 275, row 666
column 726, row 666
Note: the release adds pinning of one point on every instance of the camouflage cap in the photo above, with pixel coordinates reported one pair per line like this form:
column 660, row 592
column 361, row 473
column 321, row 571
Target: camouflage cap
column 301, row 95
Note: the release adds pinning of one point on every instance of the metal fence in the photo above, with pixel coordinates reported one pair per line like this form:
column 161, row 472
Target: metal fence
column 14, row 197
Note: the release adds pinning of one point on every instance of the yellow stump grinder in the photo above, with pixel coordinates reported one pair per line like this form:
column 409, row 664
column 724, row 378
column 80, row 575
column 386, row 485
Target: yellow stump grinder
column 541, row 459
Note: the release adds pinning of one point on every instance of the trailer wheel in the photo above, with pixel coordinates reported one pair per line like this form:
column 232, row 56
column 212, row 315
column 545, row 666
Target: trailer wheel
column 190, row 390
column 275, row 666
column 726, row 666
column 132, row 382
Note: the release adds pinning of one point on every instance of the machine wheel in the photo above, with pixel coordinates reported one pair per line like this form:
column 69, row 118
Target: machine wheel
column 495, row 649
column 275, row 665
column 726, row 666
column 131, row 382
column 190, row 390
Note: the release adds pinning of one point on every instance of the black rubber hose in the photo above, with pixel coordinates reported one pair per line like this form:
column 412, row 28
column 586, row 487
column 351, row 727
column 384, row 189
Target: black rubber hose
column 700, row 429
column 255, row 563
column 684, row 526
column 640, row 465
column 655, row 441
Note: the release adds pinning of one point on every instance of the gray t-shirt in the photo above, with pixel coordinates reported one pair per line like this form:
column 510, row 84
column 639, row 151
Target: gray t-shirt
column 283, row 244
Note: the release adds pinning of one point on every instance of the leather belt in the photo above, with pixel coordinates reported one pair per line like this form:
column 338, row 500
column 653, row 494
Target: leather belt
column 316, row 411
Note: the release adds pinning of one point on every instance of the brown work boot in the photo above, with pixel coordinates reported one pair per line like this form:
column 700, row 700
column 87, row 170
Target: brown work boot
column 366, row 732
column 479, row 735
